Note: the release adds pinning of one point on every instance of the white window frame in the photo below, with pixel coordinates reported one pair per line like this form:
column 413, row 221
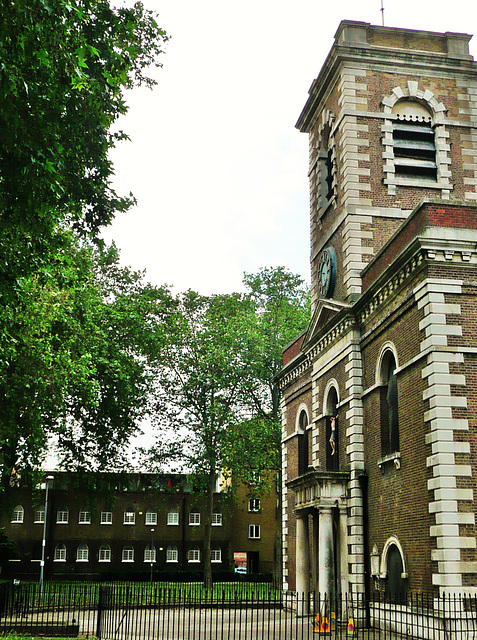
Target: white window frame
column 217, row 519
column 127, row 554
column 173, row 518
column 216, row 554
column 104, row 553
column 254, row 505
column 62, row 516
column 151, row 517
column 106, row 517
column 194, row 518
column 82, row 553
column 129, row 517
column 254, row 531
column 193, row 555
column 150, row 554
column 18, row 514
column 60, row 553
column 39, row 515
column 84, row 517
column 172, row 553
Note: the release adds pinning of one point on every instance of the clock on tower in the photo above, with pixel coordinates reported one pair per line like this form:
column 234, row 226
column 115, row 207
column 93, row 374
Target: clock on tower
column 327, row 273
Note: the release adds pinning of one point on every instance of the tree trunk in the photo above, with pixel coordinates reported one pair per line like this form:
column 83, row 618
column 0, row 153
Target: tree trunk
column 208, row 529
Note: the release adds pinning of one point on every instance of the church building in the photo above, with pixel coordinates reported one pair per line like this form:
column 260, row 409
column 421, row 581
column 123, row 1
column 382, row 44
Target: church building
column 379, row 396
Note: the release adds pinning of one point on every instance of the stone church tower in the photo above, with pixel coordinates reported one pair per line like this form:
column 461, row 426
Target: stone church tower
column 379, row 396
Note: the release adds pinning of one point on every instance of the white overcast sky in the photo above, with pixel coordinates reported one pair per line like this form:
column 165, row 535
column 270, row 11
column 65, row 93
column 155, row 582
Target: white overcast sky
column 215, row 162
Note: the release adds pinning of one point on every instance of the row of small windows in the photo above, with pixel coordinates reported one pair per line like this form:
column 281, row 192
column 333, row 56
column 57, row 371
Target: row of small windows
column 129, row 516
column 128, row 552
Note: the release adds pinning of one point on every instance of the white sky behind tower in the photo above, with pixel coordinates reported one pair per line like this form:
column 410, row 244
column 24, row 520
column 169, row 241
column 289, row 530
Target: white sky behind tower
column 217, row 167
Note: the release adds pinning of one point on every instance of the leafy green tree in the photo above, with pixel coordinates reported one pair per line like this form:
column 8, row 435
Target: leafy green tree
column 74, row 360
column 200, row 376
column 64, row 67
column 215, row 381
column 278, row 311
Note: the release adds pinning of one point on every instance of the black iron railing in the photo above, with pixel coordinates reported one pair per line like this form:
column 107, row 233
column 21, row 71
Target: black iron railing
column 229, row 611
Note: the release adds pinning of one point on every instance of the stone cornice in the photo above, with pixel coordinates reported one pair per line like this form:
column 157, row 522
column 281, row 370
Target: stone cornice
column 367, row 55
column 424, row 250
column 344, row 321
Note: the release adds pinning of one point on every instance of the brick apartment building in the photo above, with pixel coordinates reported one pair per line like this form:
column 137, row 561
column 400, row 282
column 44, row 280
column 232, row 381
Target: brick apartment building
column 379, row 396
column 133, row 526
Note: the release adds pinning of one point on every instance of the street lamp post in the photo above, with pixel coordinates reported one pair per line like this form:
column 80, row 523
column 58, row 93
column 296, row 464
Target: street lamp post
column 151, row 553
column 43, row 542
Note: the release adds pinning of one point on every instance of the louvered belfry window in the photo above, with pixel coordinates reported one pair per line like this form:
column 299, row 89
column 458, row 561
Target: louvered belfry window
column 414, row 142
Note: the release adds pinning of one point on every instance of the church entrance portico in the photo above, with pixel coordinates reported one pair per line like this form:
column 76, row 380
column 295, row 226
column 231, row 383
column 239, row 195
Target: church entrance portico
column 321, row 532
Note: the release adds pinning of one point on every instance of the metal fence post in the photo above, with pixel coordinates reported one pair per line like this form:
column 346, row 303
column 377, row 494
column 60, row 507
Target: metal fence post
column 99, row 611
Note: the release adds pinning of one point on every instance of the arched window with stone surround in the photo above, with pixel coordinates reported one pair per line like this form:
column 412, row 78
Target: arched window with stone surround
column 326, row 160
column 303, row 442
column 414, row 142
column 389, row 409
column 331, row 430
column 416, row 147
column 324, row 172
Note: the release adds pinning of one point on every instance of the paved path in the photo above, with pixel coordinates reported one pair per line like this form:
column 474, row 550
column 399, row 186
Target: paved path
column 220, row 624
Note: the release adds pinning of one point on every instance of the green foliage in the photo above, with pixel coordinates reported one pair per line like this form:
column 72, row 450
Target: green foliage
column 278, row 312
column 74, row 358
column 281, row 311
column 73, row 346
column 64, row 67
column 215, row 382
column 200, row 375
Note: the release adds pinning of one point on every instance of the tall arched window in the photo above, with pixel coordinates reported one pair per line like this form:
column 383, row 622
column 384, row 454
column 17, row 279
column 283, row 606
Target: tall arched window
column 331, row 431
column 326, row 163
column 389, row 405
column 303, row 440
column 416, row 144
column 413, row 142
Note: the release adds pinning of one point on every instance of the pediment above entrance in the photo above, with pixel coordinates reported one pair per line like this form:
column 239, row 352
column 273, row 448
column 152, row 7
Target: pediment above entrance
column 325, row 311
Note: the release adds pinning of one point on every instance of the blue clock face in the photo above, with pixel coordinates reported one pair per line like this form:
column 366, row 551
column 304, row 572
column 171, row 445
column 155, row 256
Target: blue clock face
column 327, row 273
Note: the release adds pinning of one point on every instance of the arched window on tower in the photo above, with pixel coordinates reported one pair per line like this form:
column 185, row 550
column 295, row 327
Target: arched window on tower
column 326, row 164
column 389, row 405
column 331, row 431
column 303, row 440
column 414, row 142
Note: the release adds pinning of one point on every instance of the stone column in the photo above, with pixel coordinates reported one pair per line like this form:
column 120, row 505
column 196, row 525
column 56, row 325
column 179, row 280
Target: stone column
column 302, row 563
column 325, row 552
column 314, row 551
column 343, row 550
